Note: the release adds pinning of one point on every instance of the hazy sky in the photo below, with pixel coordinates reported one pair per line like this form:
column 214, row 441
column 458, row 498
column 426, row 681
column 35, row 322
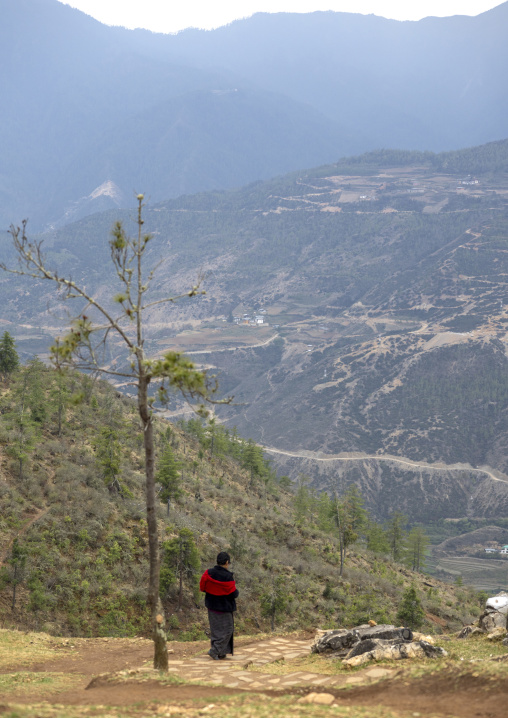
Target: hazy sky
column 171, row 15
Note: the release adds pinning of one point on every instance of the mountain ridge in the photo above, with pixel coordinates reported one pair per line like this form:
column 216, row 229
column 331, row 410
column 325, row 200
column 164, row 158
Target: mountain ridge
column 74, row 86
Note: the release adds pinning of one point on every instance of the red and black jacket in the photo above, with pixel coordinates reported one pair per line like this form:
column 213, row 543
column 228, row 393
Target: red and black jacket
column 219, row 586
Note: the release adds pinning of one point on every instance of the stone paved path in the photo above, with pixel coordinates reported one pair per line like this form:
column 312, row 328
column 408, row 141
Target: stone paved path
column 233, row 671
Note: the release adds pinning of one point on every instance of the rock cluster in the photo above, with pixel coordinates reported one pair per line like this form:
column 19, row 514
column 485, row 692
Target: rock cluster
column 374, row 643
column 495, row 614
column 493, row 621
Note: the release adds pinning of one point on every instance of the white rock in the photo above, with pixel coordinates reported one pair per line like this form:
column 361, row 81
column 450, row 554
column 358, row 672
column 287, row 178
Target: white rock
column 325, row 699
column 498, row 603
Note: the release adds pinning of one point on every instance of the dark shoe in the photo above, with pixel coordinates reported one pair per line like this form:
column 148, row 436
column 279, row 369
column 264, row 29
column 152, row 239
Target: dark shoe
column 221, row 658
column 213, row 656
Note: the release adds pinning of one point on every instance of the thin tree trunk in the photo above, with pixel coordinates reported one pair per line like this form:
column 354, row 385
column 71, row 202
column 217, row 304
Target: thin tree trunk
column 160, row 660
column 14, row 584
column 60, row 406
column 341, row 552
column 180, row 591
column 21, row 437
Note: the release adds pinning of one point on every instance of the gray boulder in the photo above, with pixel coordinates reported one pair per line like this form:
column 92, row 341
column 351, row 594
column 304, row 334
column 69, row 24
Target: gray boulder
column 341, row 641
column 390, row 651
column 468, row 631
column 336, row 641
column 395, row 649
column 372, row 644
column 432, row 651
column 385, row 632
column 490, row 620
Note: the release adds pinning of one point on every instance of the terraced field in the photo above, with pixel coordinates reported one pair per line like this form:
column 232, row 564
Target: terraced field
column 483, row 574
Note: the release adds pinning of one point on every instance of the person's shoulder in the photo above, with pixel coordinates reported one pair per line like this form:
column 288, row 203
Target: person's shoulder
column 227, row 574
column 219, row 573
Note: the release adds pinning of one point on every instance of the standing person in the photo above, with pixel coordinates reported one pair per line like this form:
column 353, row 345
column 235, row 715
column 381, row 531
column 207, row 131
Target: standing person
column 218, row 583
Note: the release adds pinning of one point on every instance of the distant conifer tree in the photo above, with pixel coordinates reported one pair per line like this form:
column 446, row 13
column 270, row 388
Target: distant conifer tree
column 180, row 561
column 9, row 360
column 169, row 476
column 411, row 611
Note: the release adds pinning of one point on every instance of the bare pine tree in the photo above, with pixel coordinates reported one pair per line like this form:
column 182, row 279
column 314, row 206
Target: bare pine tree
column 83, row 348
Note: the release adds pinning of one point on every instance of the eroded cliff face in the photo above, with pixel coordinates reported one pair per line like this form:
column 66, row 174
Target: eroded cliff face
column 423, row 492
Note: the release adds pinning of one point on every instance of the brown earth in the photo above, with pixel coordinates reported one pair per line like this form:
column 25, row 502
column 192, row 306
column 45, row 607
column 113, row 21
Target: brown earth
column 453, row 692
column 450, row 693
column 100, row 692
column 93, row 656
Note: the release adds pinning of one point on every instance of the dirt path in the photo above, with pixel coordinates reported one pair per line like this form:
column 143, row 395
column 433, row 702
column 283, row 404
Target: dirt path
column 29, row 522
column 21, row 532
column 115, row 673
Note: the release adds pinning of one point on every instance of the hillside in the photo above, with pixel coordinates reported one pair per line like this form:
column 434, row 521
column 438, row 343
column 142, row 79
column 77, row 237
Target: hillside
column 91, row 107
column 73, row 524
column 380, row 284
column 473, row 541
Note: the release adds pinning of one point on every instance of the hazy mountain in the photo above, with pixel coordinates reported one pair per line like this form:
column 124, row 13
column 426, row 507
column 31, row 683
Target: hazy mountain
column 435, row 84
column 86, row 104
column 382, row 281
column 203, row 140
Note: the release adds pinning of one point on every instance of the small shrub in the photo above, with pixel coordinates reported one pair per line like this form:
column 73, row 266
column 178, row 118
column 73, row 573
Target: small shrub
column 410, row 611
column 173, row 622
column 194, row 633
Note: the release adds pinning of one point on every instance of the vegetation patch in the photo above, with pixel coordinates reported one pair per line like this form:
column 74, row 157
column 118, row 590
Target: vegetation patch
column 35, row 685
column 22, row 649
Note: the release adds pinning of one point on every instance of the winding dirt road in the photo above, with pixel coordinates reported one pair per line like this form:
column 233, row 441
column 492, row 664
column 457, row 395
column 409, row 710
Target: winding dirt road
column 232, row 349
column 353, row 456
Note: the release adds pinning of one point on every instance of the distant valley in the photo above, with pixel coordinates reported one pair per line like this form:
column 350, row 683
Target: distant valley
column 355, row 307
